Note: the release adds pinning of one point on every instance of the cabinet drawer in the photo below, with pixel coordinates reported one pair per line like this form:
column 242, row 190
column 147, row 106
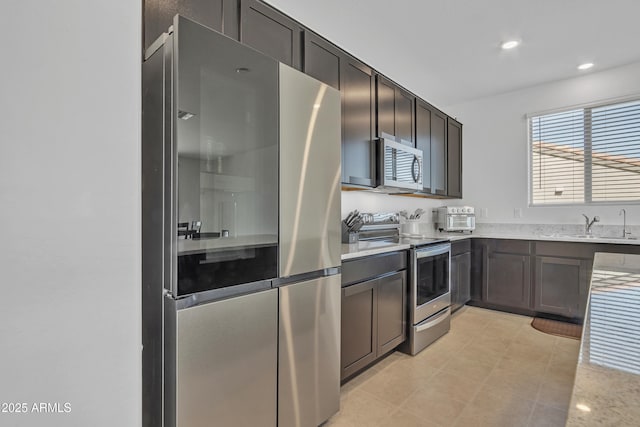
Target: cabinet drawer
column 566, row 249
column 512, row 246
column 460, row 247
column 361, row 269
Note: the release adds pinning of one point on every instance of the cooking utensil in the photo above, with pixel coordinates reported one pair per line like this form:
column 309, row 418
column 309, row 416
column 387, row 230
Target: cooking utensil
column 349, row 218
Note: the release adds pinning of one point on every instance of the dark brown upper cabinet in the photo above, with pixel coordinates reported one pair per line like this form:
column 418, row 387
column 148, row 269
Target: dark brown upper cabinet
column 431, row 138
column 438, row 153
column 221, row 15
column 322, row 60
column 356, row 82
column 272, row 33
column 454, row 158
column 358, row 123
column 395, row 110
column 423, row 141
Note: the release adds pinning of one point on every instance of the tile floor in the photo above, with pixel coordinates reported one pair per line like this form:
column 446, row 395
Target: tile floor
column 491, row 369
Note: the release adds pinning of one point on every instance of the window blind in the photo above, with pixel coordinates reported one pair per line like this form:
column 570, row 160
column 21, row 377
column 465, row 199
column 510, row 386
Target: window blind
column 586, row 155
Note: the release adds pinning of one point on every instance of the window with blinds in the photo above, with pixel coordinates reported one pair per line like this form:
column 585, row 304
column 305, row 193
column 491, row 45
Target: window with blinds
column 586, row 155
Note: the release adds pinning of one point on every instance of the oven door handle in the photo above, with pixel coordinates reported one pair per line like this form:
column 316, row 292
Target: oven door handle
column 438, row 318
column 435, row 250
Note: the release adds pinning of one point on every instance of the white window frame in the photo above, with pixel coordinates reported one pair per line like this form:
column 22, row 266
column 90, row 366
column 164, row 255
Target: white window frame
column 529, row 116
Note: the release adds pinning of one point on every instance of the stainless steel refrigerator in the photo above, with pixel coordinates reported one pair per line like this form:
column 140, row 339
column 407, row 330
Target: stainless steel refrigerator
column 241, row 239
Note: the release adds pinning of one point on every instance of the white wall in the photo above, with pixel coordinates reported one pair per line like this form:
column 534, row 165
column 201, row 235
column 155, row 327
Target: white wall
column 366, row 201
column 495, row 146
column 70, row 314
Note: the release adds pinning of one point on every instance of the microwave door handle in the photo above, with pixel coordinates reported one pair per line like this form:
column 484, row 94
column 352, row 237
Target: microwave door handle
column 416, row 176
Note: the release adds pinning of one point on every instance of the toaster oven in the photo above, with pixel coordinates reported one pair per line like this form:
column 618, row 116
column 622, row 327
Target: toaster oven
column 456, row 218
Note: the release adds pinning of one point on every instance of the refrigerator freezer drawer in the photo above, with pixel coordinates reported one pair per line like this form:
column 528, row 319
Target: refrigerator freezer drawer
column 226, row 362
column 309, row 352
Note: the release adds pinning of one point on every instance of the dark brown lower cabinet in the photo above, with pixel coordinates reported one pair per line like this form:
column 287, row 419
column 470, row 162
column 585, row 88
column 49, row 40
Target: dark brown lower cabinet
column 373, row 310
column 507, row 279
column 391, row 312
column 460, row 280
column 359, row 326
column 535, row 277
column 561, row 285
column 460, row 273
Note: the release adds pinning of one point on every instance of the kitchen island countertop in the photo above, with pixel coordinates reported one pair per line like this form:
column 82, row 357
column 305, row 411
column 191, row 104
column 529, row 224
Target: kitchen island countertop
column 606, row 390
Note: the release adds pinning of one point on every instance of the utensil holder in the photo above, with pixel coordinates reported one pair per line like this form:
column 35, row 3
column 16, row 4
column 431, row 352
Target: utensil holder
column 411, row 227
column 349, row 236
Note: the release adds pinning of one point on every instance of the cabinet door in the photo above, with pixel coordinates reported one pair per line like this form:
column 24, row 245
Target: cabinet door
column 385, row 106
column 455, row 282
column 507, row 279
column 460, row 280
column 438, row 153
column 322, row 60
column 454, row 158
column 270, row 32
column 423, row 141
column 221, row 15
column 404, row 115
column 478, row 249
column 559, row 283
column 391, row 312
column 358, row 95
column 395, row 115
column 359, row 330
column 464, row 278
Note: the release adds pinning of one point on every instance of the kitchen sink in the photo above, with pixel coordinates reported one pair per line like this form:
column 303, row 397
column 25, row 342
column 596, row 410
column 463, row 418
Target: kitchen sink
column 586, row 236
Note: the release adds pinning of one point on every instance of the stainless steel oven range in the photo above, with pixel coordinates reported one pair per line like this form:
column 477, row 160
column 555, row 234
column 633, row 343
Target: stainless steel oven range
column 429, row 313
column 430, row 296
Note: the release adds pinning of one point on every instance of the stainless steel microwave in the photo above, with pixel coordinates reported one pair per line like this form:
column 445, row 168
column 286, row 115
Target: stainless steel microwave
column 399, row 167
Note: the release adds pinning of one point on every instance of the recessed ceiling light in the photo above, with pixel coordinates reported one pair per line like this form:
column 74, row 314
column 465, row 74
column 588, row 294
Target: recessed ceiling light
column 585, row 66
column 510, row 44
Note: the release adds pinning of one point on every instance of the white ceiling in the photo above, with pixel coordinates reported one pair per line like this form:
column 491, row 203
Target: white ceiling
column 447, row 51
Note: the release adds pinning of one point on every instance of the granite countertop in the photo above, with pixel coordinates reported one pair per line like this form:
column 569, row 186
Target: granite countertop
column 366, row 248
column 606, row 391
column 360, row 249
column 553, row 237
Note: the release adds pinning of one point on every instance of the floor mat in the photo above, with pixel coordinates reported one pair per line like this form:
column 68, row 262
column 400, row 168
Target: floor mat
column 554, row 327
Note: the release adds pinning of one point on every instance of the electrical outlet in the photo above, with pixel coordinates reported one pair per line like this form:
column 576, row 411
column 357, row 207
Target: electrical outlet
column 484, row 212
column 517, row 212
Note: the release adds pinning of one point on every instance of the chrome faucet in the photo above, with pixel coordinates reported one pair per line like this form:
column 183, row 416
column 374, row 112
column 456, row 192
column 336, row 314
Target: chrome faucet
column 587, row 224
column 625, row 233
